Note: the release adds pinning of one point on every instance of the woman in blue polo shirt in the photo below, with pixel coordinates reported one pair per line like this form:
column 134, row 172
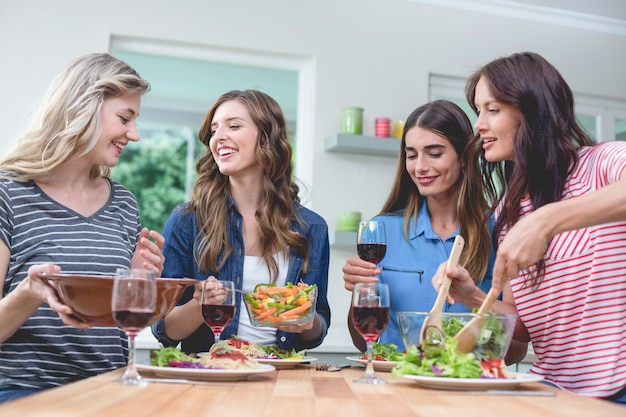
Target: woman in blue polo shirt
column 438, row 194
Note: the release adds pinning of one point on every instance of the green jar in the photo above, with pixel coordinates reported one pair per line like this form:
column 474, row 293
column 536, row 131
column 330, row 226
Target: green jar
column 352, row 120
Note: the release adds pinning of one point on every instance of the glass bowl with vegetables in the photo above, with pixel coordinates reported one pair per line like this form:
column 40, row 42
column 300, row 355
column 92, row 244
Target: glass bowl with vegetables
column 272, row 306
column 432, row 351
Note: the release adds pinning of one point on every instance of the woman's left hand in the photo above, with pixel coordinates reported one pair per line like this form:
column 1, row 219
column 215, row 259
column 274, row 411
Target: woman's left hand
column 149, row 252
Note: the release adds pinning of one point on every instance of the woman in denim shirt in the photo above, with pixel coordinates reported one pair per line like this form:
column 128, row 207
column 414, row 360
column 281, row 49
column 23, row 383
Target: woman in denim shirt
column 245, row 224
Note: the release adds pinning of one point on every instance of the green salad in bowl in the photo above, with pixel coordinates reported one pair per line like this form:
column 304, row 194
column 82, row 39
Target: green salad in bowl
column 432, row 351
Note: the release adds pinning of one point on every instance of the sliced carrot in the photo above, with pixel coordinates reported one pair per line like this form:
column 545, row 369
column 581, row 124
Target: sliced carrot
column 266, row 313
column 296, row 311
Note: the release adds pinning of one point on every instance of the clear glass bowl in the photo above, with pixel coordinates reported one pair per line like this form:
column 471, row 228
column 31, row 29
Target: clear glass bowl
column 493, row 340
column 275, row 319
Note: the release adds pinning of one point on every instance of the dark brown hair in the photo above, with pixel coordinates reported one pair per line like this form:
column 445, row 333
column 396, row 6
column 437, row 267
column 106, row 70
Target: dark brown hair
column 449, row 121
column 546, row 142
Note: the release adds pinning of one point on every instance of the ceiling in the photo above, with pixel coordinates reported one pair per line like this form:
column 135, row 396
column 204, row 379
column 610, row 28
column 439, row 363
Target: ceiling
column 608, row 9
column 613, row 9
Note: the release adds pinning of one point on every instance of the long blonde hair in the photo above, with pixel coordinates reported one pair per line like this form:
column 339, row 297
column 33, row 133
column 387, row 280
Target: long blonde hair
column 279, row 194
column 67, row 123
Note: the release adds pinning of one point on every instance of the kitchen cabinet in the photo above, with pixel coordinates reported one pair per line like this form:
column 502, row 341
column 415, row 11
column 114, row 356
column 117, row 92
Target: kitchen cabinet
column 363, row 145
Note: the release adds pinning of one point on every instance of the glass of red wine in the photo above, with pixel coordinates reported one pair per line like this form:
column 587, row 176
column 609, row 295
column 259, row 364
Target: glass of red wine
column 370, row 315
column 133, row 304
column 371, row 244
column 218, row 305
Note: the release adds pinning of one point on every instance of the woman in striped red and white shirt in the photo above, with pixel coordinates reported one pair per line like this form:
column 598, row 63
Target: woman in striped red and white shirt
column 560, row 229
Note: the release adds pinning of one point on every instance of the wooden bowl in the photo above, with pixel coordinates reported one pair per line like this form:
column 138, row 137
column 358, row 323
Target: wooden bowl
column 90, row 296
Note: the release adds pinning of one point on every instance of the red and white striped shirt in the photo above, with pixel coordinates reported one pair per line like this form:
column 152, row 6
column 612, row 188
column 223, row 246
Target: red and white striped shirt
column 577, row 316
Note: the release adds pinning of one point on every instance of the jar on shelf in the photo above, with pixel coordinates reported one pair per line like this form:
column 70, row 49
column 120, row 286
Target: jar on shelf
column 352, row 120
column 382, row 127
column 398, row 128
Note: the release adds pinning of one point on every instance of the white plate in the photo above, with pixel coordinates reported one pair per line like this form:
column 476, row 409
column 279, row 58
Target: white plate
column 286, row 363
column 279, row 363
column 205, row 374
column 474, row 383
column 380, row 366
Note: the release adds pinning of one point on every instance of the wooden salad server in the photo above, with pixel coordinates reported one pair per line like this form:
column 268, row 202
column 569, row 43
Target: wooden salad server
column 467, row 336
column 453, row 260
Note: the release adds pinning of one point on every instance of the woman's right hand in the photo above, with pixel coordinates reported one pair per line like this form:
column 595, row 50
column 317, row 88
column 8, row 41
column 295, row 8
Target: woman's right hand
column 46, row 292
column 214, row 291
column 462, row 287
column 357, row 270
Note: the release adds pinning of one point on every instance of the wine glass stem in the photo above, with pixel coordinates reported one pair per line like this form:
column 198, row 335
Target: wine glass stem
column 369, row 369
column 217, row 336
column 131, row 371
column 378, row 276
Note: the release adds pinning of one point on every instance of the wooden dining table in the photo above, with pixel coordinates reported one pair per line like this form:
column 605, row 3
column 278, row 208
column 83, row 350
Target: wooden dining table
column 301, row 391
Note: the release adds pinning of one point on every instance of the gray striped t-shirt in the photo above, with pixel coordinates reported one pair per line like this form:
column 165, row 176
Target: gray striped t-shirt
column 44, row 352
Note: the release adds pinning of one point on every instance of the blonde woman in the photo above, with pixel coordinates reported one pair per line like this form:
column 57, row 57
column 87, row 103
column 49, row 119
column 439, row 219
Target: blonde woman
column 59, row 211
column 245, row 224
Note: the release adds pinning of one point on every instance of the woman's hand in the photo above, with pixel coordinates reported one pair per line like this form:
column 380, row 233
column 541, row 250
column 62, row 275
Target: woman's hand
column 46, row 291
column 462, row 286
column 357, row 270
column 524, row 245
column 214, row 291
column 296, row 328
column 149, row 252
column 308, row 331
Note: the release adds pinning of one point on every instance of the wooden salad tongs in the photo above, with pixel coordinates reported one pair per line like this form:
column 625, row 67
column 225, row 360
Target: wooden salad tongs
column 466, row 338
column 435, row 318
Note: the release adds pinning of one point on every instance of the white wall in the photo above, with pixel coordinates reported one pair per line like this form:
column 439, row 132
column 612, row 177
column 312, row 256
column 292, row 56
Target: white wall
column 376, row 54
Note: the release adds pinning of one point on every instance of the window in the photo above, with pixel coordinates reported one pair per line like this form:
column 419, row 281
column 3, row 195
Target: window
column 159, row 170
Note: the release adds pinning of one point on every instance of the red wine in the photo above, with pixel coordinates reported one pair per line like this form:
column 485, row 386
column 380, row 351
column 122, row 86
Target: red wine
column 130, row 320
column 371, row 252
column 370, row 322
column 217, row 316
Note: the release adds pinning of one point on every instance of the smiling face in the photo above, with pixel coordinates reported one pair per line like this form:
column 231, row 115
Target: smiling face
column 118, row 127
column 234, row 138
column 432, row 162
column 497, row 124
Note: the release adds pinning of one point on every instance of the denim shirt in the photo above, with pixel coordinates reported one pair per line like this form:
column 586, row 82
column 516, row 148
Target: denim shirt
column 181, row 231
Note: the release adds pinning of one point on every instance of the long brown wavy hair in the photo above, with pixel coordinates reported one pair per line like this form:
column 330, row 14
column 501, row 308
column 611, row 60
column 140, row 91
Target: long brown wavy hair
column 449, row 121
column 279, row 194
column 546, row 142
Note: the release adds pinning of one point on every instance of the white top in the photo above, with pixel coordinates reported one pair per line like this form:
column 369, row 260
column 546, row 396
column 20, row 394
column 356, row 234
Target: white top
column 255, row 272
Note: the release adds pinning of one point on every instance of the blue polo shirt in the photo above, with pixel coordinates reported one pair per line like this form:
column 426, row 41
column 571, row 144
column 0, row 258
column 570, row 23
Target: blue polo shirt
column 408, row 267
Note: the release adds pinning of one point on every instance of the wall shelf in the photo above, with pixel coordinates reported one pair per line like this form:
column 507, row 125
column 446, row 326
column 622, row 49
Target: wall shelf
column 364, row 145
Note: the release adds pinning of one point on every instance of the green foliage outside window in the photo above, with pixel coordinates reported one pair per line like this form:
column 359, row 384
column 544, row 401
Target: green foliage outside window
column 155, row 170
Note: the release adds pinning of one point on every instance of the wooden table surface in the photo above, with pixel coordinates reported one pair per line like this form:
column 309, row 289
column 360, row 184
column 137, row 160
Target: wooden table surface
column 297, row 392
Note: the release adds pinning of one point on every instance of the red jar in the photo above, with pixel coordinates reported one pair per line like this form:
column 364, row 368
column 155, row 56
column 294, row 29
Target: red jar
column 382, row 127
